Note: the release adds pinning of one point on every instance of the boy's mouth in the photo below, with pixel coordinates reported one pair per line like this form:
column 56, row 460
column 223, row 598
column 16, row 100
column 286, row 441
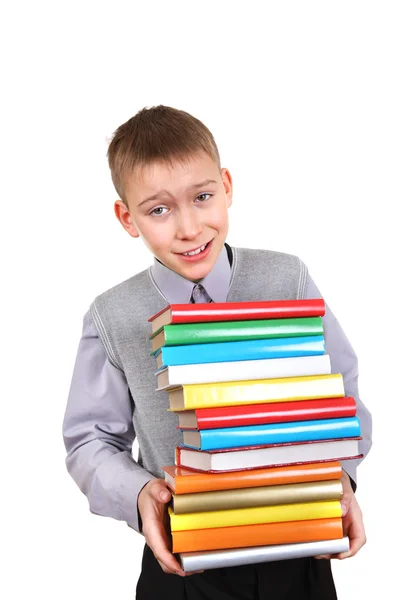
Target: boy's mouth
column 196, row 254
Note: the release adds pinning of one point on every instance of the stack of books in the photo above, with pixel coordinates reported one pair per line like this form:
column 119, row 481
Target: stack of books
column 264, row 425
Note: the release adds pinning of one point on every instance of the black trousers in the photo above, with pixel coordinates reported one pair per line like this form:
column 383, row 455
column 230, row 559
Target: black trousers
column 299, row 579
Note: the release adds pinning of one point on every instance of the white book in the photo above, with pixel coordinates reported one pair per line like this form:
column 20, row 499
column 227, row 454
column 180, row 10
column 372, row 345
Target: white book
column 216, row 559
column 270, row 368
column 235, row 459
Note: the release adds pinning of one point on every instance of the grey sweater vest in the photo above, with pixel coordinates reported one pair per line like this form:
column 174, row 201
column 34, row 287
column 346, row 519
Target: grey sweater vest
column 121, row 316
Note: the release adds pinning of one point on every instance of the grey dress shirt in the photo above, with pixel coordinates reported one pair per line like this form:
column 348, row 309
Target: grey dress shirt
column 99, row 387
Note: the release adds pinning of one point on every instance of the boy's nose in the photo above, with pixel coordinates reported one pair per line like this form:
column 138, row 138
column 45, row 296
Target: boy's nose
column 188, row 226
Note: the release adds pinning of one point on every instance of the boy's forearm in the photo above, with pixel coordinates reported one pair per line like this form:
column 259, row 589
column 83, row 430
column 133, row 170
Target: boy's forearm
column 112, row 488
column 110, row 478
column 344, row 361
column 98, row 433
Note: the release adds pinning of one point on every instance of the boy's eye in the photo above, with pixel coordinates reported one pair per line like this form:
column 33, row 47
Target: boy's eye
column 202, row 197
column 157, row 211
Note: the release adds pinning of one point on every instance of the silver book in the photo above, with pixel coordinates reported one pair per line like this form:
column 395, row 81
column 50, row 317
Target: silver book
column 216, row 559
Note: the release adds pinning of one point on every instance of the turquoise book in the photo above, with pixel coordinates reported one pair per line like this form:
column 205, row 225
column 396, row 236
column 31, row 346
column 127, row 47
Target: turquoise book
column 241, row 350
column 275, row 433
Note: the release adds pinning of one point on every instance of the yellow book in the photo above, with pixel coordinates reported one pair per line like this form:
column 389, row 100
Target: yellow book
column 236, row 393
column 256, row 515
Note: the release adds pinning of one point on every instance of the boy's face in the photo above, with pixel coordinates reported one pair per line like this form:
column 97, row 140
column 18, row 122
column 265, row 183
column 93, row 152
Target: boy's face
column 179, row 210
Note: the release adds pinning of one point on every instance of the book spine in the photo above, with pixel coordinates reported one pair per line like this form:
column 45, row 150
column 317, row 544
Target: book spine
column 270, row 390
column 280, row 433
column 217, row 559
column 192, row 482
column 201, row 333
column 256, row 535
column 239, row 311
column 279, row 412
column 293, row 493
column 256, row 515
column 285, row 455
column 236, row 351
column 272, row 368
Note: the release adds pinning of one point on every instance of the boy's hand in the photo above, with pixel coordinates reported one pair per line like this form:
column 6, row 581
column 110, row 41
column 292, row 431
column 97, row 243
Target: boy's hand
column 152, row 505
column 353, row 526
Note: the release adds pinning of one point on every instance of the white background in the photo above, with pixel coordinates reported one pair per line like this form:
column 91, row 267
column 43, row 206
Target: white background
column 303, row 99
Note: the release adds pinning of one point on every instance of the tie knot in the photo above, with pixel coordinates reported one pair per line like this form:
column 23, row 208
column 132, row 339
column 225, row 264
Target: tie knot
column 199, row 294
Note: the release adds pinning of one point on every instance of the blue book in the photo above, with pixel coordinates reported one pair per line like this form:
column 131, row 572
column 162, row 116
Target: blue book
column 275, row 433
column 242, row 350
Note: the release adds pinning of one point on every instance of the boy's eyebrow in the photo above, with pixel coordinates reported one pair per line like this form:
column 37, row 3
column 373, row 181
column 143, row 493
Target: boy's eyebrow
column 192, row 187
column 201, row 184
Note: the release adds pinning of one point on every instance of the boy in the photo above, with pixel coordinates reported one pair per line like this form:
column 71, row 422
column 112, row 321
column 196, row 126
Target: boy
column 174, row 195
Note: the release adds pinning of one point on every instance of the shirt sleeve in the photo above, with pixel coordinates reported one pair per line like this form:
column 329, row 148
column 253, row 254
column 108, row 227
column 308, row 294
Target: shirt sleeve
column 98, row 433
column 344, row 361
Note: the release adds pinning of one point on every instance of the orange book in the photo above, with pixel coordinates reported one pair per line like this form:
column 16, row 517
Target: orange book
column 257, row 535
column 187, row 481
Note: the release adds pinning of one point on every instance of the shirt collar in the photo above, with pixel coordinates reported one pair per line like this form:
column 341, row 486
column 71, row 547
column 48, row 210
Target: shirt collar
column 178, row 290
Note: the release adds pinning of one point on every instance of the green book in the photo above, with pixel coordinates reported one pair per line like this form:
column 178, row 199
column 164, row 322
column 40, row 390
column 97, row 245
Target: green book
column 234, row 331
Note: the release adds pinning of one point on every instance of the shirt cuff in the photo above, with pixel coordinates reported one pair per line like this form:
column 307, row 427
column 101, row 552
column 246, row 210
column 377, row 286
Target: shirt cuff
column 128, row 493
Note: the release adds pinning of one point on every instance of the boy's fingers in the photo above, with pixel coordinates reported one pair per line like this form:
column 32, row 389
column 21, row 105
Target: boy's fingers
column 156, row 538
column 167, row 561
column 353, row 527
column 357, row 541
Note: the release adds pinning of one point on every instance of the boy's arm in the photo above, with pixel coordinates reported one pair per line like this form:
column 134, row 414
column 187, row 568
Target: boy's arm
column 98, row 433
column 344, row 361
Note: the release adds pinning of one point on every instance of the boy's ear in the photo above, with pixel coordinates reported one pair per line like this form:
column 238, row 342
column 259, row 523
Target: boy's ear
column 227, row 182
column 124, row 217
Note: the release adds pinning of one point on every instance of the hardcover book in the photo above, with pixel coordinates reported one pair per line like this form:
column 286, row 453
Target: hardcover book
column 216, row 559
column 255, row 515
column 237, row 311
column 272, row 433
column 262, row 534
column 269, row 495
column 270, row 368
column 234, row 331
column 235, row 459
column 208, row 395
column 274, row 412
column 186, row 481
column 236, row 351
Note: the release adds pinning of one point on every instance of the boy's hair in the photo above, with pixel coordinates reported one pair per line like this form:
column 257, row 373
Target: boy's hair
column 157, row 134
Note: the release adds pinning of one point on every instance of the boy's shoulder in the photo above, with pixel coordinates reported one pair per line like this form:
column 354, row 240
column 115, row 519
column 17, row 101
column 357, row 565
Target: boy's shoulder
column 138, row 281
column 268, row 260
column 270, row 255
column 137, row 297
column 266, row 274
column 120, row 314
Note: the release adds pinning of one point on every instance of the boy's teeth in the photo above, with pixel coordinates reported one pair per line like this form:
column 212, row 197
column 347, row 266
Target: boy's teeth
column 195, row 251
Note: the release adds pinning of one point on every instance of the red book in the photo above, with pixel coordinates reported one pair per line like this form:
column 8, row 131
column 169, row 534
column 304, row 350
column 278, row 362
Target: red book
column 237, row 311
column 259, row 414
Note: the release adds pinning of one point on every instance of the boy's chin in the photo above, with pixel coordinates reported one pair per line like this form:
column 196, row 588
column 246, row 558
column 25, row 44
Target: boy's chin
column 193, row 271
